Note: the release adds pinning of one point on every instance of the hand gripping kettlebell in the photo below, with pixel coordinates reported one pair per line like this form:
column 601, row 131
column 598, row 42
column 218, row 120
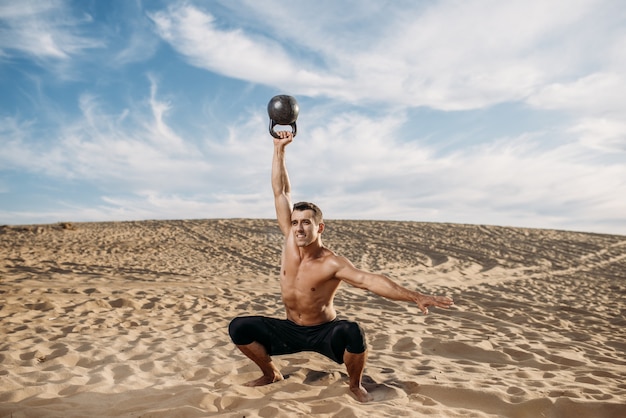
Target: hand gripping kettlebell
column 283, row 110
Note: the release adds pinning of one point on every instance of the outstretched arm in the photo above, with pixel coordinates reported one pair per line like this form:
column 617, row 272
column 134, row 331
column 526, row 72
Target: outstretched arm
column 385, row 287
column 280, row 182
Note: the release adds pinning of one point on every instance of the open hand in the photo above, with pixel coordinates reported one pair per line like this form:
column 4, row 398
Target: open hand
column 424, row 301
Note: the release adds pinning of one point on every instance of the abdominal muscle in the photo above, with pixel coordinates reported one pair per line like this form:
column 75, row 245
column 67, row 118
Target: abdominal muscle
column 308, row 303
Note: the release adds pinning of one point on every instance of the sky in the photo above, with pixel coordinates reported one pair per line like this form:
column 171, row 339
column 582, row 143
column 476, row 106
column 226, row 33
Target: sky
column 488, row 112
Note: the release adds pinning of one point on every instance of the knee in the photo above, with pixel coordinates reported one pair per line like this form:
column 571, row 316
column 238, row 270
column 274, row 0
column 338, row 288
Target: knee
column 236, row 329
column 243, row 330
column 354, row 337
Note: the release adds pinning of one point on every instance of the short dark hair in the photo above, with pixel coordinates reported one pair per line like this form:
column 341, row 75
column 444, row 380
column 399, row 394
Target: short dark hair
column 317, row 212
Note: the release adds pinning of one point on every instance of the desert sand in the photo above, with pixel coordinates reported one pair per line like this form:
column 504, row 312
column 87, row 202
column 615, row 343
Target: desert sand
column 129, row 319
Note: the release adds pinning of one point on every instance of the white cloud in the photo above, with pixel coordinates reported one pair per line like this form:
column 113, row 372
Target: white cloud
column 600, row 93
column 597, row 101
column 607, row 135
column 43, row 29
column 232, row 52
column 357, row 167
column 139, row 43
column 352, row 165
column 96, row 147
column 143, row 152
column 140, row 165
column 448, row 55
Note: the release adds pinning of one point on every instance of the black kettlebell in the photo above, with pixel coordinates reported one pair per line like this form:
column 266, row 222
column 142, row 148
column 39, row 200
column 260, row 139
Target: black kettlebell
column 283, row 110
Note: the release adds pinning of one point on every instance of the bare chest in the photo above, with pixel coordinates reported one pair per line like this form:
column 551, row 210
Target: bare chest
column 299, row 276
column 310, row 279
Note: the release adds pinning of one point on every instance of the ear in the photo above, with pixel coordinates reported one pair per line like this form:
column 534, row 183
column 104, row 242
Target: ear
column 320, row 228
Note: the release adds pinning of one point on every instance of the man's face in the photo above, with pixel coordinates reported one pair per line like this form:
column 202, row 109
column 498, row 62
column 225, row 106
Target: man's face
column 304, row 228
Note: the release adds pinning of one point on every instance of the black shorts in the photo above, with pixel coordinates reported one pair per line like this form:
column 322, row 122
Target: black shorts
column 282, row 336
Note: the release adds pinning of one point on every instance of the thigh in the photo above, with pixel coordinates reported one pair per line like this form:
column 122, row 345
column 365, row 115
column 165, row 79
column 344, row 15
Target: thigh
column 339, row 336
column 244, row 330
column 278, row 336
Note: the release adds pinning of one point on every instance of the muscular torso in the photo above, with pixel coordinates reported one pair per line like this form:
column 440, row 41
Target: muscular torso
column 308, row 285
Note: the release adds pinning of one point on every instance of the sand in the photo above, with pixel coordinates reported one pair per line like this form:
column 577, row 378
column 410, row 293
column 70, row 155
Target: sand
column 129, row 319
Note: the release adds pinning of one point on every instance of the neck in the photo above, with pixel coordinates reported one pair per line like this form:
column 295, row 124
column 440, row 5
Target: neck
column 312, row 250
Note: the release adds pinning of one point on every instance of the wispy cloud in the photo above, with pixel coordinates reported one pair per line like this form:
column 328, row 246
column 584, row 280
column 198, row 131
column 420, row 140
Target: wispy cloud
column 232, row 52
column 44, row 30
column 511, row 181
column 449, row 55
column 99, row 146
column 597, row 101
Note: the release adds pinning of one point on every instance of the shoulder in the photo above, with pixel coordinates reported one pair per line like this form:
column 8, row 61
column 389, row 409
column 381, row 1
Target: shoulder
column 338, row 262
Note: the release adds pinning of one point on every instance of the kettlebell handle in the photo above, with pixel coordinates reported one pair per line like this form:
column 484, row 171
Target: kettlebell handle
column 294, row 129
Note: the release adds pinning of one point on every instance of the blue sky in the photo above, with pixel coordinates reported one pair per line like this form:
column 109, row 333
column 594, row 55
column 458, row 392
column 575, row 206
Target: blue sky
column 484, row 112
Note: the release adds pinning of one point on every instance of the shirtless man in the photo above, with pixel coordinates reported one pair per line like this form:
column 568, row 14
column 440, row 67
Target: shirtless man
column 309, row 278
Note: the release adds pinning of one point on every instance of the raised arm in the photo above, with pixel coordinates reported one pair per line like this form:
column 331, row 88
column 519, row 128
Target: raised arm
column 387, row 288
column 280, row 182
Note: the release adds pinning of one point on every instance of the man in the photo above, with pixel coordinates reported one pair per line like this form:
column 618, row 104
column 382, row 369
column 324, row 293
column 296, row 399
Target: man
column 309, row 277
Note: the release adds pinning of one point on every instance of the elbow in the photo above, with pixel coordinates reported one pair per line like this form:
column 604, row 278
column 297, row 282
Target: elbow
column 279, row 191
column 282, row 195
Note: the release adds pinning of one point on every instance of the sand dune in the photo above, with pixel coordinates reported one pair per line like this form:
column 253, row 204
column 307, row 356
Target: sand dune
column 129, row 319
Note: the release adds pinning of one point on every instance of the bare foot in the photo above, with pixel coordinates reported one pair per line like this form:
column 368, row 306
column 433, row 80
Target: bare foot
column 265, row 380
column 361, row 394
